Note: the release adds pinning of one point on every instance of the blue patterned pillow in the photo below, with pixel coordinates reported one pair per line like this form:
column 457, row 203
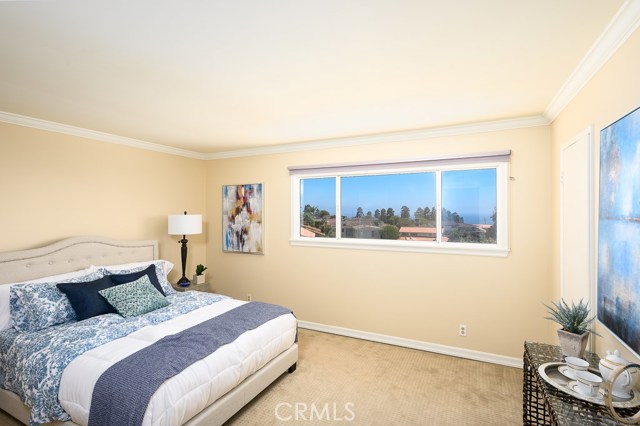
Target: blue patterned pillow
column 135, row 298
column 41, row 305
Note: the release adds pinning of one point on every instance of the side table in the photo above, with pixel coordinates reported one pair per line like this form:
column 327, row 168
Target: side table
column 205, row 287
column 542, row 404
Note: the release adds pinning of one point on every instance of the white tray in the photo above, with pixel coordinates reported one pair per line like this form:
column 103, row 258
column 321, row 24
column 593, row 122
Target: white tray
column 549, row 372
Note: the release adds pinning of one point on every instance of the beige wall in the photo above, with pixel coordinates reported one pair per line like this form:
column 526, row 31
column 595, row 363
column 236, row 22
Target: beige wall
column 55, row 186
column 612, row 93
column 410, row 295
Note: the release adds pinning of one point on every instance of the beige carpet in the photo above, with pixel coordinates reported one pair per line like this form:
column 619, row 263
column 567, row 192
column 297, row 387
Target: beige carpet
column 375, row 384
column 355, row 382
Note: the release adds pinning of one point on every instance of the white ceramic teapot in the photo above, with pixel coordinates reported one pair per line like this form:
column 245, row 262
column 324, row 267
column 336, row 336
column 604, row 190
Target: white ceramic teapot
column 625, row 381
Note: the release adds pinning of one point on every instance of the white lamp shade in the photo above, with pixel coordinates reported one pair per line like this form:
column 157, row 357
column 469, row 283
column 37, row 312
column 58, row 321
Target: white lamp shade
column 185, row 224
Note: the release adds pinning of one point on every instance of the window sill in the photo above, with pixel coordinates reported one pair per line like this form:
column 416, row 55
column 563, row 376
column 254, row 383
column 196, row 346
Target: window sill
column 448, row 248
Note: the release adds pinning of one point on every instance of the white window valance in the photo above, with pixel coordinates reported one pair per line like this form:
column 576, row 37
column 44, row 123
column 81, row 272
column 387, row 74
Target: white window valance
column 495, row 156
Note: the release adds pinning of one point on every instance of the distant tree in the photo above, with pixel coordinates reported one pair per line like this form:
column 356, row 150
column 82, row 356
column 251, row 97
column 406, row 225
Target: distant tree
column 308, row 219
column 390, row 212
column 405, row 213
column 359, row 212
column 369, row 215
column 491, row 232
column 325, row 228
column 390, row 232
column 419, row 214
column 465, row 235
column 383, row 215
column 311, row 209
column 309, row 215
column 404, row 221
column 430, row 213
column 376, row 214
column 447, row 216
column 316, row 218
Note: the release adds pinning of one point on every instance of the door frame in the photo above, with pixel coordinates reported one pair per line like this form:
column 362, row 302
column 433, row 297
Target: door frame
column 588, row 135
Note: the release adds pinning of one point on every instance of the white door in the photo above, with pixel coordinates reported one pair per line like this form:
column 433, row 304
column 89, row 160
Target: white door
column 576, row 222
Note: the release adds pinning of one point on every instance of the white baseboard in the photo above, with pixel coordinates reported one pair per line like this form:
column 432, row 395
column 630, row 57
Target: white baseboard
column 414, row 344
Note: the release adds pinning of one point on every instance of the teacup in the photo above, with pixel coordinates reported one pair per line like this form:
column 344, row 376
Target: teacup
column 588, row 383
column 578, row 364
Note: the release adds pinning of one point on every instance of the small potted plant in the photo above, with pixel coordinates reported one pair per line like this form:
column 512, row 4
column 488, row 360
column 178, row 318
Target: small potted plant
column 199, row 277
column 576, row 326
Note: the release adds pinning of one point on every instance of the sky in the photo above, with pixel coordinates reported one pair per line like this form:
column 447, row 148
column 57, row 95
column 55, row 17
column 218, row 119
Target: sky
column 470, row 193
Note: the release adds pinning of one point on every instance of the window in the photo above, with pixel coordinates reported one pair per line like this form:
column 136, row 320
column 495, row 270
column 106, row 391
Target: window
column 377, row 206
column 454, row 205
column 318, row 207
column 469, row 201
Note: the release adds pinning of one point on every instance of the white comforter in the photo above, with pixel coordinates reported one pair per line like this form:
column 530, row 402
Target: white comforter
column 183, row 396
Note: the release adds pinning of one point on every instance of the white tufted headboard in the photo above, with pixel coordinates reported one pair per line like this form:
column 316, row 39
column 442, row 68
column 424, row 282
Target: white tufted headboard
column 70, row 255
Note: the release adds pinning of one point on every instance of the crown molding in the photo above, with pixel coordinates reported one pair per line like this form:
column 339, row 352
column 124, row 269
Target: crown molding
column 623, row 24
column 401, row 136
column 36, row 123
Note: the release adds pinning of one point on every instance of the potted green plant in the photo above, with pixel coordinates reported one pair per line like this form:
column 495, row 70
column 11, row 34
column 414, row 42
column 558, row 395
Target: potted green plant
column 576, row 326
column 199, row 277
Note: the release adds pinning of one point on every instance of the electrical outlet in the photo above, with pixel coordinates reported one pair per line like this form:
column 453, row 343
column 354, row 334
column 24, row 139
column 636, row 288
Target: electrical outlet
column 248, row 297
column 462, row 330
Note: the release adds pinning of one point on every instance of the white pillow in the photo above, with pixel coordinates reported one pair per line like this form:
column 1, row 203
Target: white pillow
column 5, row 310
column 166, row 266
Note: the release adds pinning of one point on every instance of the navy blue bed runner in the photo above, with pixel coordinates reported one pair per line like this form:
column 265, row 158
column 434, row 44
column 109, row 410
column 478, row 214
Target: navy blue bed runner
column 122, row 393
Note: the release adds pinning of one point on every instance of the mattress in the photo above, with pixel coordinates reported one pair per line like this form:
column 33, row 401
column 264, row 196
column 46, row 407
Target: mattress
column 186, row 394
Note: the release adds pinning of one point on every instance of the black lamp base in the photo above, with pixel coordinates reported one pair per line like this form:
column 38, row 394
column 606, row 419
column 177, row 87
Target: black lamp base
column 184, row 281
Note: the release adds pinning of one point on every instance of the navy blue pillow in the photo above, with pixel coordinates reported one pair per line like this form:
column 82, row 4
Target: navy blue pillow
column 127, row 278
column 85, row 299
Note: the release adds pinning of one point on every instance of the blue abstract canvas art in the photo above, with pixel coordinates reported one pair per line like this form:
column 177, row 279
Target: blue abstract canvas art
column 619, row 230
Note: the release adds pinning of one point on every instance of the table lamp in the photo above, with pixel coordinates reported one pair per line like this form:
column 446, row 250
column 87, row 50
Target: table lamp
column 184, row 224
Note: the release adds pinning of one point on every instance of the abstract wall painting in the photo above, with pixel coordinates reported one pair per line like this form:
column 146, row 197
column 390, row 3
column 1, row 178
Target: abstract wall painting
column 242, row 218
column 619, row 230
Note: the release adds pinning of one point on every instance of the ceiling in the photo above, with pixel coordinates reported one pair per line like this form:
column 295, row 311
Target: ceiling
column 218, row 76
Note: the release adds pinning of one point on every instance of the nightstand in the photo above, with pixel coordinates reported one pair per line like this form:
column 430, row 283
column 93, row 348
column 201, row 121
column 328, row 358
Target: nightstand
column 206, row 287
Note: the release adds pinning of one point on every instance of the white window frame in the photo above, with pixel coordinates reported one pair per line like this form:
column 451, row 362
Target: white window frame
column 493, row 160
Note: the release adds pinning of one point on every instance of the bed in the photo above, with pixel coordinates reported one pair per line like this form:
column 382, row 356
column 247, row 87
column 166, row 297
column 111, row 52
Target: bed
column 260, row 367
